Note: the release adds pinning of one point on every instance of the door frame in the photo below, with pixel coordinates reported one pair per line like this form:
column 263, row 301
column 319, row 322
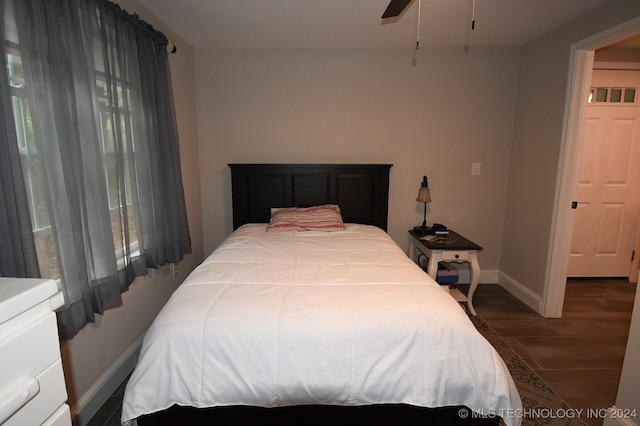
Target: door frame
column 578, row 87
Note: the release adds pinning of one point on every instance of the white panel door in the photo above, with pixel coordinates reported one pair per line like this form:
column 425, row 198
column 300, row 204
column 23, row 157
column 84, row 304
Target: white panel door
column 606, row 219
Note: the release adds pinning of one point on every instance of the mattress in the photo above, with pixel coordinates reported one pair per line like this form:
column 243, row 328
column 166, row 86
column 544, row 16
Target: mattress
column 294, row 318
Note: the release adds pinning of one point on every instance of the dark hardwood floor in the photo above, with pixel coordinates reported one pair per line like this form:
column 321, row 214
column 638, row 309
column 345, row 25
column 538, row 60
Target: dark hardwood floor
column 579, row 355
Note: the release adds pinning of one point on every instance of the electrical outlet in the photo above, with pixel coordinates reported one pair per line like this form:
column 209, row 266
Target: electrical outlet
column 174, row 270
column 475, row 168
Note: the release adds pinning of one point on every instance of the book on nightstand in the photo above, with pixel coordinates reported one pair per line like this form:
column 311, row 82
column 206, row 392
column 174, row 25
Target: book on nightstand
column 447, row 273
column 439, row 229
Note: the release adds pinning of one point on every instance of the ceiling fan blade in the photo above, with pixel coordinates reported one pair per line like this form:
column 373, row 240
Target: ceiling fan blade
column 395, row 8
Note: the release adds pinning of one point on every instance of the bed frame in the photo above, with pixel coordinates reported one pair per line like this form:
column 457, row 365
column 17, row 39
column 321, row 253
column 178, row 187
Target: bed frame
column 362, row 192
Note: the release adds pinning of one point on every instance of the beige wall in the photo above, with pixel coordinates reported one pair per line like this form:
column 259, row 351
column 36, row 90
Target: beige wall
column 365, row 106
column 537, row 140
column 89, row 356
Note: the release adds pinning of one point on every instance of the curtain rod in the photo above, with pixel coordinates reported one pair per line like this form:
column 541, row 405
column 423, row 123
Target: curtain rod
column 168, row 43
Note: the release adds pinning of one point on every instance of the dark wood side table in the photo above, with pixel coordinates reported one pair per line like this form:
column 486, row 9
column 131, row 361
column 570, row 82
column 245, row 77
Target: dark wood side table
column 452, row 247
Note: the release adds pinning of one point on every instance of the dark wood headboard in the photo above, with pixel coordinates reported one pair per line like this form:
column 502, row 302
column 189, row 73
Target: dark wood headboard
column 361, row 190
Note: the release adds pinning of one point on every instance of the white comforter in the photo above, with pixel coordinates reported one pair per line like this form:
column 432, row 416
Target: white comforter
column 342, row 318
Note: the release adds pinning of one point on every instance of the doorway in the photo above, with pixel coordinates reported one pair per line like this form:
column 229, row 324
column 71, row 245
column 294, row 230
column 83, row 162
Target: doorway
column 581, row 66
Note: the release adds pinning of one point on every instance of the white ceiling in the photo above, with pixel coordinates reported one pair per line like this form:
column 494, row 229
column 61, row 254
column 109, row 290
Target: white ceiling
column 248, row 24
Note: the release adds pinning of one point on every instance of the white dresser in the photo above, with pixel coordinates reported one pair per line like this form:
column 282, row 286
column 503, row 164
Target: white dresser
column 32, row 386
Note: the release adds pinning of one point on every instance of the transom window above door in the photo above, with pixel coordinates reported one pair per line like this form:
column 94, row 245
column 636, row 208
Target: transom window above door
column 613, row 95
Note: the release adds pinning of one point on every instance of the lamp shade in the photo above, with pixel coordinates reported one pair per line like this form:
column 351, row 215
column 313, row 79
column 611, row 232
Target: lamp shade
column 424, row 195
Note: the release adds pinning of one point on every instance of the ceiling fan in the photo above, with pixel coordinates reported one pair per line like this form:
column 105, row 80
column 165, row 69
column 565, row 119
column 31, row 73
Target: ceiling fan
column 396, row 7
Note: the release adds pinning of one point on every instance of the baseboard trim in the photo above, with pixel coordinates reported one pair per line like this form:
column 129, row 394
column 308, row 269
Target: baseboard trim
column 489, row 276
column 524, row 294
column 88, row 405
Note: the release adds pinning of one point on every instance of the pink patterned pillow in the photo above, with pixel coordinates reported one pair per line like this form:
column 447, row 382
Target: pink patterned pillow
column 317, row 218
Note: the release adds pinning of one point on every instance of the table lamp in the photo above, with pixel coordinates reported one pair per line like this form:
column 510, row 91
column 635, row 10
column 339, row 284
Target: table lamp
column 424, row 196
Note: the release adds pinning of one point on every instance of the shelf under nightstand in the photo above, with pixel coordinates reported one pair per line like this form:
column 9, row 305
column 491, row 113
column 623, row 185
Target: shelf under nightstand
column 452, row 247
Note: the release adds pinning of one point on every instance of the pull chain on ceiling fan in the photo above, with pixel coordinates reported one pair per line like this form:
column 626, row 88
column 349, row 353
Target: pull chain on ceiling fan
column 418, row 26
column 396, row 7
column 473, row 16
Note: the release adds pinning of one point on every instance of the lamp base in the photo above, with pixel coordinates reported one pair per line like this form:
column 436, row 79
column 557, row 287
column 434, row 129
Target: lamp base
column 422, row 230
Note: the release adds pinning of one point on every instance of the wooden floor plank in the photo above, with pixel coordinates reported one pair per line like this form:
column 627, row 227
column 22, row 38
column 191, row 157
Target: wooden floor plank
column 579, row 355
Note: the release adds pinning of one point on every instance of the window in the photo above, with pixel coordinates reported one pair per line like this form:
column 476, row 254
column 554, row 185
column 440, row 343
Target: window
column 110, row 121
column 117, row 117
column 88, row 88
column 613, row 95
column 32, row 166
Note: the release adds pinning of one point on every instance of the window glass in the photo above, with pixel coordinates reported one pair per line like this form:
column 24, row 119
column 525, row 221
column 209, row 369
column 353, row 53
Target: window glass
column 32, row 167
column 629, row 95
column 616, row 95
column 613, row 95
column 116, row 162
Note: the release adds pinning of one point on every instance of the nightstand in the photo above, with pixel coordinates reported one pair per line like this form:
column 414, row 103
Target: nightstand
column 452, row 247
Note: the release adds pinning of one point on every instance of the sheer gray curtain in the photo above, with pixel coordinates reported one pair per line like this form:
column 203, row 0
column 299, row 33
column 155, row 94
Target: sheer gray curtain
column 17, row 249
column 89, row 89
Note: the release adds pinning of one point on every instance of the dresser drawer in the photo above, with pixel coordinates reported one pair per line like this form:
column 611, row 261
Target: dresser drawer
column 33, row 387
column 62, row 417
column 29, row 344
column 49, row 399
column 453, row 256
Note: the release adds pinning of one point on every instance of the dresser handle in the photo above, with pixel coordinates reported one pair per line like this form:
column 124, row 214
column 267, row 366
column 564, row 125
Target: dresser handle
column 17, row 397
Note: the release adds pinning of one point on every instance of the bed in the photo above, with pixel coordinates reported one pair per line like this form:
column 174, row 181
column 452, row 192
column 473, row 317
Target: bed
column 315, row 326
